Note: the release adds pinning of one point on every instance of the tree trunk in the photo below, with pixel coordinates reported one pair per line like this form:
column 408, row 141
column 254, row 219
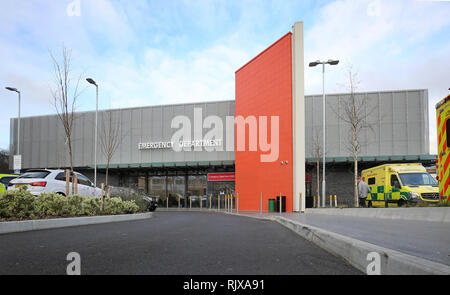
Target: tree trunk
column 106, row 177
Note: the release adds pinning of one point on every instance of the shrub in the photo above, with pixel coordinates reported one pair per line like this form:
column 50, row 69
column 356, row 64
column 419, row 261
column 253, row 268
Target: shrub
column 51, row 204
column 75, row 205
column 91, row 206
column 17, row 204
column 117, row 206
column 137, row 199
column 22, row 204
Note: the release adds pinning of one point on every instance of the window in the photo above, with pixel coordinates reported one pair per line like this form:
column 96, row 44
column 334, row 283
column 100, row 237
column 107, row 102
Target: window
column 394, row 181
column 35, row 174
column 61, row 176
column 447, row 126
column 371, row 181
column 418, row 179
column 83, row 180
column 5, row 180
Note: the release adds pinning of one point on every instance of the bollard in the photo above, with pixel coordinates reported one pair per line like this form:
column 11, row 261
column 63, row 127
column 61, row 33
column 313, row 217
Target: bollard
column 281, row 203
column 167, row 202
column 179, row 203
column 318, row 201
column 237, row 203
column 102, row 187
column 331, row 201
column 190, row 202
column 314, row 202
column 335, row 201
column 300, row 205
column 218, row 203
column 210, row 202
column 260, row 204
column 201, row 202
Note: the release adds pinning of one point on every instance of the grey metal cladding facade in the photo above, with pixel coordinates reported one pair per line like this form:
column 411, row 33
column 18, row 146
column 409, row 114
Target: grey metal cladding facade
column 398, row 120
column 398, row 123
column 43, row 140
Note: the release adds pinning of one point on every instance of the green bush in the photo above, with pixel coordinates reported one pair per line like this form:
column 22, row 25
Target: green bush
column 51, row 204
column 91, row 206
column 75, row 205
column 117, row 206
column 17, row 204
column 134, row 197
column 23, row 205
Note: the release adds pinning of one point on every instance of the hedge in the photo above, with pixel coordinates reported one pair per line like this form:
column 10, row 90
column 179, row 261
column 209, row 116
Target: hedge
column 21, row 204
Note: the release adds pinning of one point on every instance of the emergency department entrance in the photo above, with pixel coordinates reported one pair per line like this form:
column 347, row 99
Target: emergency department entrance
column 192, row 187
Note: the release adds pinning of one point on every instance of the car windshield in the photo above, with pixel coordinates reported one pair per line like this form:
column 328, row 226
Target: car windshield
column 417, row 179
column 35, row 174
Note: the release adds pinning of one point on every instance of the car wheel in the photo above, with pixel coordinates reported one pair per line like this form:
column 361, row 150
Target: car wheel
column 62, row 194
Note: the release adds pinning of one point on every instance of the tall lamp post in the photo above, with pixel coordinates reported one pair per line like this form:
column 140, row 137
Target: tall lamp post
column 313, row 64
column 91, row 81
column 18, row 122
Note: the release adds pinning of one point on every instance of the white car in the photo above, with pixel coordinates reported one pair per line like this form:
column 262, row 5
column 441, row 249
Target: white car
column 40, row 181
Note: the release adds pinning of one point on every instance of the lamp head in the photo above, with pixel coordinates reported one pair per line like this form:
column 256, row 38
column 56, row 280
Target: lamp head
column 90, row 80
column 12, row 89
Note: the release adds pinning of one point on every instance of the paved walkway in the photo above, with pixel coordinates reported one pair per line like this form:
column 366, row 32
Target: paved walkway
column 429, row 240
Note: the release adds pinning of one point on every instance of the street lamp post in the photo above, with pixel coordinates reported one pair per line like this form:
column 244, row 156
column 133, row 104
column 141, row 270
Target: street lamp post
column 18, row 122
column 313, row 64
column 91, row 81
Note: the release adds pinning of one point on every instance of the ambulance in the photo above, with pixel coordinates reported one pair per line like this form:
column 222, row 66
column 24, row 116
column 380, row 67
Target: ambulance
column 400, row 184
column 443, row 160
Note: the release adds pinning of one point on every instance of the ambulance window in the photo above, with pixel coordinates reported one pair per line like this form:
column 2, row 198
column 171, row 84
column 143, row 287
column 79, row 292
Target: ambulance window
column 447, row 125
column 371, row 181
column 395, row 182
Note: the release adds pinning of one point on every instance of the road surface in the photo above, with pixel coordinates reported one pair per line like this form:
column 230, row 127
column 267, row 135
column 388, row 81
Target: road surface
column 172, row 243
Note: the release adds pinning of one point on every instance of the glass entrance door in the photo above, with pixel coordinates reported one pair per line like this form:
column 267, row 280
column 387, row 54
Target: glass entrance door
column 197, row 191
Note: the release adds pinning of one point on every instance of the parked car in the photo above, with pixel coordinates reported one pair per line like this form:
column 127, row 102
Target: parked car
column 52, row 181
column 4, row 180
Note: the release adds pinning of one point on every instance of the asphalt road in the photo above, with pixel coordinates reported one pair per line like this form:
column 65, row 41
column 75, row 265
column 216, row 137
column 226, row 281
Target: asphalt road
column 429, row 240
column 179, row 243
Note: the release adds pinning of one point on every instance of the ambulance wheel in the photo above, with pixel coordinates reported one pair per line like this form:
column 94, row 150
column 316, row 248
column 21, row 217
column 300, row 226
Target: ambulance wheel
column 401, row 203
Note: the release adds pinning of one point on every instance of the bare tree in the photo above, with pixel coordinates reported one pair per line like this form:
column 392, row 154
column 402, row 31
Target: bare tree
column 65, row 96
column 317, row 154
column 354, row 110
column 109, row 138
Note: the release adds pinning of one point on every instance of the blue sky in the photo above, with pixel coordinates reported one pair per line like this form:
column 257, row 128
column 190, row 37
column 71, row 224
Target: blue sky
column 160, row 52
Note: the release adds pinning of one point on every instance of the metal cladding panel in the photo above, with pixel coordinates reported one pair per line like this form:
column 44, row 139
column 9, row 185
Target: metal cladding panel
column 397, row 120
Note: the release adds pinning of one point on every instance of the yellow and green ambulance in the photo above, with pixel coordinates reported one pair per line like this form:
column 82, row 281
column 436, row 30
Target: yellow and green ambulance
column 4, row 180
column 400, row 184
column 443, row 161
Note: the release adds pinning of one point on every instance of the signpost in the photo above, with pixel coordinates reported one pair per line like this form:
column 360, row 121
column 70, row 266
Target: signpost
column 17, row 162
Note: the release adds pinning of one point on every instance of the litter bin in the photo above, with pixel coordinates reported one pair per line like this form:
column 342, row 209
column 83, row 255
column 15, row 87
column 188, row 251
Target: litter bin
column 271, row 205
